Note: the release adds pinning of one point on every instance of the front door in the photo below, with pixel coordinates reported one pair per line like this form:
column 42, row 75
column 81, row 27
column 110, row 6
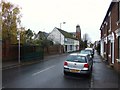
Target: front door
column 65, row 48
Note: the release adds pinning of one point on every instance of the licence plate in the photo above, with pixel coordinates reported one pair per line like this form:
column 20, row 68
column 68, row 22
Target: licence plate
column 73, row 70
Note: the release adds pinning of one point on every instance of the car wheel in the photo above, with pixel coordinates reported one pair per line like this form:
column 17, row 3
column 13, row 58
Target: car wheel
column 65, row 73
column 89, row 74
column 91, row 69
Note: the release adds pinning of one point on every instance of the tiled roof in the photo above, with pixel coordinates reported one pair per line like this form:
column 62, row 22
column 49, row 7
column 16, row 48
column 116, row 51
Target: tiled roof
column 66, row 34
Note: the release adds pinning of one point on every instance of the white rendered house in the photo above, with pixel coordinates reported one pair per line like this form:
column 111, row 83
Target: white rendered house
column 64, row 38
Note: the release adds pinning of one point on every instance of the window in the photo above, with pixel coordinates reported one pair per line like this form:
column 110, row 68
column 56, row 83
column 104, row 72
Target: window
column 65, row 39
column 76, row 58
column 109, row 21
column 119, row 47
column 70, row 47
column 85, row 52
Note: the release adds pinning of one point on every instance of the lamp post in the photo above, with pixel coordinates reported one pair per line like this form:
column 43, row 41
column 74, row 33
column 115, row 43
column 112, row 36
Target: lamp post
column 61, row 24
column 18, row 38
column 60, row 34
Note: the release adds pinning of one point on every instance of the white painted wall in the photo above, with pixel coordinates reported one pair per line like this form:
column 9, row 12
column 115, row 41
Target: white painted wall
column 69, row 41
column 102, row 48
column 69, row 48
column 56, row 37
column 72, row 42
column 76, row 43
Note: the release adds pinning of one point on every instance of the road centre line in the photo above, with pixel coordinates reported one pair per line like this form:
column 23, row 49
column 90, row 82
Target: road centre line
column 42, row 70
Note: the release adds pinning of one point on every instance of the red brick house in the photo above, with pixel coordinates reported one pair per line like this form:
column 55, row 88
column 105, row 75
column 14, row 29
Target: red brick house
column 110, row 36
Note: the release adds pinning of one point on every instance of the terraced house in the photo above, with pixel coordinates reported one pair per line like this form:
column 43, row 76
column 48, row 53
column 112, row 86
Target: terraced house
column 110, row 35
column 70, row 41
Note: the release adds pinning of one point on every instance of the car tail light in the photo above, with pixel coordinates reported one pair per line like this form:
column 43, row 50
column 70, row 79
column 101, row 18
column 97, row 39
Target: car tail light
column 86, row 65
column 65, row 63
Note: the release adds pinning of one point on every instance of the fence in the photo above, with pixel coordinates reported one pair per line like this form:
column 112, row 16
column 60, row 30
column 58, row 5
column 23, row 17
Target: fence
column 27, row 52
column 31, row 52
column 9, row 52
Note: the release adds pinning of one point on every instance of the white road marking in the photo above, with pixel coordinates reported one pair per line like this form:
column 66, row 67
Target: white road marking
column 91, row 83
column 42, row 70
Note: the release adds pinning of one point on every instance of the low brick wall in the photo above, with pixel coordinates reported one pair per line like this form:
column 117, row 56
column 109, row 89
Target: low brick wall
column 55, row 49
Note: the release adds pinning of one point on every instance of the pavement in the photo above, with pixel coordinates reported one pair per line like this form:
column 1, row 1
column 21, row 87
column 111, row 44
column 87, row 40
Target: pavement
column 15, row 63
column 104, row 75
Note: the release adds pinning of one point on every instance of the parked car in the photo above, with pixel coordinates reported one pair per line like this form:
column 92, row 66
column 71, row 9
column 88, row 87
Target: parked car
column 78, row 63
column 91, row 49
column 89, row 52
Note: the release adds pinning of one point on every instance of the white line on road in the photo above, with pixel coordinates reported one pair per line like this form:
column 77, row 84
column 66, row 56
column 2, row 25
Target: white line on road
column 42, row 70
column 91, row 83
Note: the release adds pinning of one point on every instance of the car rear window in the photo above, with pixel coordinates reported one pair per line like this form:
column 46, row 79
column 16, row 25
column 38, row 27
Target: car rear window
column 85, row 52
column 76, row 58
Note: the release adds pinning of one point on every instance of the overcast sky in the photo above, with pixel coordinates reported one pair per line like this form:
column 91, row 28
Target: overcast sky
column 44, row 15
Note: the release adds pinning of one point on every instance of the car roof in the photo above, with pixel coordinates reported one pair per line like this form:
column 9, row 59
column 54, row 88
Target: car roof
column 79, row 54
column 88, row 48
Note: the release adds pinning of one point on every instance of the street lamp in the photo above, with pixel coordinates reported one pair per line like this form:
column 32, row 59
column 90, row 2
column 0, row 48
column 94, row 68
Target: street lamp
column 18, row 38
column 61, row 24
column 60, row 34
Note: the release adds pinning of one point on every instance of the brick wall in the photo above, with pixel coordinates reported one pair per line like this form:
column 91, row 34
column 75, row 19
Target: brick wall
column 55, row 49
column 9, row 52
column 114, row 28
column 105, row 32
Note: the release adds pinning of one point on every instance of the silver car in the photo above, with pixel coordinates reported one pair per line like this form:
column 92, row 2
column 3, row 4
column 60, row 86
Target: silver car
column 87, row 52
column 78, row 63
column 90, row 49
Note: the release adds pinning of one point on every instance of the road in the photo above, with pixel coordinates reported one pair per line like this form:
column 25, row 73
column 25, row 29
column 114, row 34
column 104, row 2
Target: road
column 49, row 74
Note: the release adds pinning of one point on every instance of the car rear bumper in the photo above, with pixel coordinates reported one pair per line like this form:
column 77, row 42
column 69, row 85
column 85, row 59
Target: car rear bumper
column 66, row 70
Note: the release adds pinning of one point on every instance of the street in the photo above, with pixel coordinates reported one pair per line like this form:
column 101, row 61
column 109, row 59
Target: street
column 49, row 74
column 34, row 45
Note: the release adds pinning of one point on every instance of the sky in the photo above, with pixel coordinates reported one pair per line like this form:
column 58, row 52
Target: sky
column 45, row 15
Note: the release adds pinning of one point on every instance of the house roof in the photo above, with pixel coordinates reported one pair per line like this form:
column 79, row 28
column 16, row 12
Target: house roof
column 41, row 34
column 66, row 34
column 44, row 33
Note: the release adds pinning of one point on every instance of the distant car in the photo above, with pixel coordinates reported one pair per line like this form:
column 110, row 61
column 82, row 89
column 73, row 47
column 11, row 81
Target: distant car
column 91, row 49
column 89, row 52
column 78, row 63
